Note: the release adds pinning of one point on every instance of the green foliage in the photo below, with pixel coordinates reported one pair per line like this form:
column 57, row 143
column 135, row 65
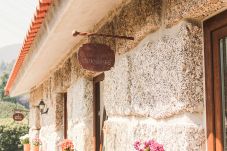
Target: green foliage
column 10, row 131
column 5, row 69
column 9, row 136
column 7, row 109
column 3, row 81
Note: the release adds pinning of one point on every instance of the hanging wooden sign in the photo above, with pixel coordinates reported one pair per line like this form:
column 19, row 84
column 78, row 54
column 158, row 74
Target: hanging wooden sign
column 18, row 116
column 96, row 57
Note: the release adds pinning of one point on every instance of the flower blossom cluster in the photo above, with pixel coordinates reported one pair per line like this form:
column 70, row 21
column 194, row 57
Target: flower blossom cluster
column 24, row 139
column 36, row 141
column 67, row 145
column 149, row 145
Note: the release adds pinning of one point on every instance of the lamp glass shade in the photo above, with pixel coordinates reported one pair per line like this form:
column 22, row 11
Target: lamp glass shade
column 41, row 105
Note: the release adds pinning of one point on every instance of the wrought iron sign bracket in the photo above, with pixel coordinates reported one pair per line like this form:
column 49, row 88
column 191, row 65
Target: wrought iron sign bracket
column 77, row 33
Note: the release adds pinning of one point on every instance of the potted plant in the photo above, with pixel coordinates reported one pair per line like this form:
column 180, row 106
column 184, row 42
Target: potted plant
column 25, row 141
column 36, row 142
column 149, row 145
column 67, row 145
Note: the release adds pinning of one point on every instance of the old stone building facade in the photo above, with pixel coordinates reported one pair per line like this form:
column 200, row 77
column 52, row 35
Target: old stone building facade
column 156, row 89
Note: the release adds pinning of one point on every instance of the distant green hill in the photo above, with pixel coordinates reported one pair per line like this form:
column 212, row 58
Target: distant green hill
column 7, row 111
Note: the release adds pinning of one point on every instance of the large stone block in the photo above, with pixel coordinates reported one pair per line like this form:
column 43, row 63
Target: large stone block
column 120, row 134
column 136, row 19
column 34, row 118
column 82, row 135
column 50, row 138
column 167, row 74
column 36, row 94
column 80, row 114
column 161, row 77
column 176, row 10
column 117, row 88
column 80, row 100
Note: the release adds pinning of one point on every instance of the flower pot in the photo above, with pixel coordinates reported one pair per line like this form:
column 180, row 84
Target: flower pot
column 35, row 148
column 26, row 147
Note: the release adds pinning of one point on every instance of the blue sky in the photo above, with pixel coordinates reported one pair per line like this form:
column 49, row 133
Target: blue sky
column 15, row 18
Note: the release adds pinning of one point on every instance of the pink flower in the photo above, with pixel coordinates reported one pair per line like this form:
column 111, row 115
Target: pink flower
column 149, row 145
column 137, row 145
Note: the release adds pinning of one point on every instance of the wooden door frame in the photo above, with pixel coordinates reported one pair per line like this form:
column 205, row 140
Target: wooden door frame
column 96, row 104
column 212, row 81
column 65, row 118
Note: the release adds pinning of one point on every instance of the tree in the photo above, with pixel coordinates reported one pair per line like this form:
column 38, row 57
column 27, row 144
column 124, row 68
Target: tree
column 3, row 81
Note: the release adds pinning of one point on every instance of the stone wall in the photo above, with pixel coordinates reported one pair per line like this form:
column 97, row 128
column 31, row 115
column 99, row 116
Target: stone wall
column 177, row 10
column 67, row 78
column 165, row 74
column 160, row 79
column 155, row 90
column 80, row 114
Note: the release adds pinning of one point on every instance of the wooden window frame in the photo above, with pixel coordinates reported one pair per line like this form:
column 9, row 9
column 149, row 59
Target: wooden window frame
column 214, row 121
column 96, row 106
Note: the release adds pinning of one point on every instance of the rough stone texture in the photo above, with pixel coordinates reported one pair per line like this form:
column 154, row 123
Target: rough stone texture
column 117, row 97
column 59, row 109
column 80, row 113
column 57, row 78
column 64, row 79
column 36, row 94
column 66, row 74
column 160, row 78
column 167, row 76
column 34, row 118
column 75, row 68
column 136, row 19
column 48, row 133
column 51, row 132
column 121, row 134
column 81, row 134
column 176, row 10
column 80, row 100
column 50, row 137
column 108, row 28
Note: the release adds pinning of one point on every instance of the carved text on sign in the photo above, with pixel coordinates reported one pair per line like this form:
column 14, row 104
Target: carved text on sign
column 96, row 57
column 18, row 116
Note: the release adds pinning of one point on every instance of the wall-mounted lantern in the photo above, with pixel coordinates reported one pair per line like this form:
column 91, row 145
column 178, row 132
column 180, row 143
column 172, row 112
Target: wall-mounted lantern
column 42, row 107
